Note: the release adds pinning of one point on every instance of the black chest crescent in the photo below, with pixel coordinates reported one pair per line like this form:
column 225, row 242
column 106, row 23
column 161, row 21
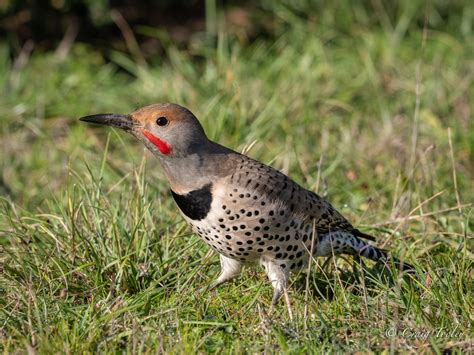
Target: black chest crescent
column 195, row 204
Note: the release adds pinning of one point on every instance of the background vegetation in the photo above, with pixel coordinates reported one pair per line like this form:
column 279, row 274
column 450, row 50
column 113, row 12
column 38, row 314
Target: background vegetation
column 370, row 104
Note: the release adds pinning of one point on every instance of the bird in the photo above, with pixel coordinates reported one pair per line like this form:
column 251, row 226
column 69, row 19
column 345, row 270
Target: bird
column 247, row 211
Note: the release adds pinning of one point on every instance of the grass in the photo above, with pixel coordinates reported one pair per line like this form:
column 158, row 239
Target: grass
column 372, row 112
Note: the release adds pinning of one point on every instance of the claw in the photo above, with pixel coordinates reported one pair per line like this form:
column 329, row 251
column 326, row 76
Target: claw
column 279, row 279
column 276, row 296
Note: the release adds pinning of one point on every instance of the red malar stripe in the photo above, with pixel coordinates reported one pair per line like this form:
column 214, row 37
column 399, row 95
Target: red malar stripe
column 161, row 145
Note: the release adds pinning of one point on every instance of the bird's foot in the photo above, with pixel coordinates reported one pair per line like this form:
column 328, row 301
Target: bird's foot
column 230, row 269
column 279, row 279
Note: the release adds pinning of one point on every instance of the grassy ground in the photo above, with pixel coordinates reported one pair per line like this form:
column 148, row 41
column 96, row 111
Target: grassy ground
column 358, row 104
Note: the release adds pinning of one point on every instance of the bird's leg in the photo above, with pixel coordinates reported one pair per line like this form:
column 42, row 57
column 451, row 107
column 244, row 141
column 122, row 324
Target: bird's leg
column 279, row 279
column 230, row 269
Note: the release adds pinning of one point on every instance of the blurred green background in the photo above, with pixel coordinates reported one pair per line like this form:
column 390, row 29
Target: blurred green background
column 368, row 103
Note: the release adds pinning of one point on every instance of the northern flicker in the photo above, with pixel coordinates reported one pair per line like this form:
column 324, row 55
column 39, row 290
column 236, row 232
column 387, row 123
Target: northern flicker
column 246, row 211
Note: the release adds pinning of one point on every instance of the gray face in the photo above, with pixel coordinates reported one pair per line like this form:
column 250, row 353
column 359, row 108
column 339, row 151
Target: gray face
column 168, row 130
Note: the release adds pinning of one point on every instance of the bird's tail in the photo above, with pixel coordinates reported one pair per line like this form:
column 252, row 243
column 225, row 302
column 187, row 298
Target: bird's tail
column 373, row 253
column 340, row 242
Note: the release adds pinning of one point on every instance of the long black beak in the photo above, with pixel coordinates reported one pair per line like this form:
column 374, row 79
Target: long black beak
column 110, row 119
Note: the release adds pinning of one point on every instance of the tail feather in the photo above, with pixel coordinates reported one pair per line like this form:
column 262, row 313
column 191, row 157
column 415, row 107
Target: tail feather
column 371, row 252
column 357, row 233
column 376, row 254
column 343, row 242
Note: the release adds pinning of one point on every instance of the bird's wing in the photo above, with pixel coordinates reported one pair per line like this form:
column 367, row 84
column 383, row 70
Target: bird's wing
column 274, row 186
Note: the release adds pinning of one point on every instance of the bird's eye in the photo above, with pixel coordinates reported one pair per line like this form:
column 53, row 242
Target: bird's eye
column 162, row 121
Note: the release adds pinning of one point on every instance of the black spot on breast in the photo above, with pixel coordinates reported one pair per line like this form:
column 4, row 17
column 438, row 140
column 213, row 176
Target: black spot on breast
column 195, row 204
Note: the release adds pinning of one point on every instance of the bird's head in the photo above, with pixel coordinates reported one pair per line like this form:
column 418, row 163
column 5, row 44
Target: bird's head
column 168, row 130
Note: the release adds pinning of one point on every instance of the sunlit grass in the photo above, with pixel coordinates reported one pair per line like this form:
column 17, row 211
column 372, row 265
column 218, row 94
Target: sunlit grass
column 95, row 257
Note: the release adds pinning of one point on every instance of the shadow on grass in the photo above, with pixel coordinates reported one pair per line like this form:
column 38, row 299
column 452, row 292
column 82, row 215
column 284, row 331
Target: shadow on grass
column 358, row 280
